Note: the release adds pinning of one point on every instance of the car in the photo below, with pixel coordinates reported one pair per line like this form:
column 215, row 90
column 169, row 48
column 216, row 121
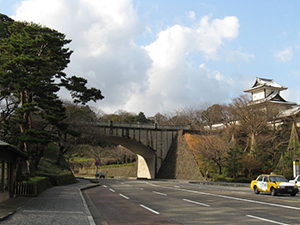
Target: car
column 296, row 181
column 274, row 184
column 99, row 175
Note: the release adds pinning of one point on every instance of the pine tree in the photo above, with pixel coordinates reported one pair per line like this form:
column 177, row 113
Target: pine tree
column 32, row 60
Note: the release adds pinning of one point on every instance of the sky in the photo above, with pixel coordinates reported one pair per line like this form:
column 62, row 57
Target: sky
column 164, row 55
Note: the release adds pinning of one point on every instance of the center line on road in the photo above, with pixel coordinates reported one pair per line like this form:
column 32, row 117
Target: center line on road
column 123, row 196
column 159, row 193
column 112, row 190
column 151, row 210
column 198, row 203
column 263, row 219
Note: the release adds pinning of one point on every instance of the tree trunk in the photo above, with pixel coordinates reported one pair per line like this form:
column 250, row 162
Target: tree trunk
column 31, row 166
column 19, row 173
column 252, row 141
column 220, row 168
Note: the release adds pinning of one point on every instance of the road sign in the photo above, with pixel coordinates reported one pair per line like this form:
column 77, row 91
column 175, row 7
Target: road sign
column 97, row 163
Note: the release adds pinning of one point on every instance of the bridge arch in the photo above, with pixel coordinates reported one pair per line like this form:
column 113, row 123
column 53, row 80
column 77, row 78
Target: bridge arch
column 151, row 143
column 146, row 157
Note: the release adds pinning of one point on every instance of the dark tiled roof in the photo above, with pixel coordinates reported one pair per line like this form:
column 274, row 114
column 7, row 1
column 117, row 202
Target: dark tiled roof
column 11, row 148
column 267, row 83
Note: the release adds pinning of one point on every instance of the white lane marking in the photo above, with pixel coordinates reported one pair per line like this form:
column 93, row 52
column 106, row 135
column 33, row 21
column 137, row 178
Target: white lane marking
column 237, row 199
column 112, row 190
column 159, row 193
column 123, row 196
column 105, row 186
column 198, row 203
column 151, row 210
column 154, row 185
column 263, row 219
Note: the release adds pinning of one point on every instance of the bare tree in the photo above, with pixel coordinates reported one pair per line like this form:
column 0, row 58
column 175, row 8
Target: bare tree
column 250, row 165
column 185, row 116
column 161, row 119
column 251, row 117
column 213, row 148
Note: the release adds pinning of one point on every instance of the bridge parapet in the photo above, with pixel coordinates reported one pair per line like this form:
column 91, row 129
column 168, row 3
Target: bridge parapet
column 143, row 126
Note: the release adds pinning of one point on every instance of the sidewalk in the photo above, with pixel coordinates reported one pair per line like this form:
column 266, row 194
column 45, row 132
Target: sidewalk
column 57, row 205
column 11, row 205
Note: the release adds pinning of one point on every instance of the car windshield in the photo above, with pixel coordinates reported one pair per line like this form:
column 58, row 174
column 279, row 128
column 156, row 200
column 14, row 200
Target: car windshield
column 278, row 179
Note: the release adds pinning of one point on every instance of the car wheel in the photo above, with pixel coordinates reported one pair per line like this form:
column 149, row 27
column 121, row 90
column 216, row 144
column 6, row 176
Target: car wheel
column 256, row 191
column 273, row 191
column 293, row 194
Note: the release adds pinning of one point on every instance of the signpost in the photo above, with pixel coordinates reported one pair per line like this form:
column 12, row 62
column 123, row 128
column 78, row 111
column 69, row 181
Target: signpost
column 296, row 166
column 97, row 162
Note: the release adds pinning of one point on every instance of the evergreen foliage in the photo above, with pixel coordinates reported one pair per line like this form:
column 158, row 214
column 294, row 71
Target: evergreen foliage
column 32, row 60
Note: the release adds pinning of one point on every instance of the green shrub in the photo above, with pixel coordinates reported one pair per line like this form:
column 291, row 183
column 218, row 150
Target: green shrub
column 61, row 179
column 42, row 183
column 223, row 178
column 241, row 180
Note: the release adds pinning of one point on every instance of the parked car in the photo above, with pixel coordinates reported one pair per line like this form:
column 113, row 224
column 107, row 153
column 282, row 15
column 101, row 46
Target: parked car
column 99, row 175
column 296, row 181
column 274, row 184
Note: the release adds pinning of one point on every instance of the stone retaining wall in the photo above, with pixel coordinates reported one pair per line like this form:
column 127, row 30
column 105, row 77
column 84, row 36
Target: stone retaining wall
column 110, row 172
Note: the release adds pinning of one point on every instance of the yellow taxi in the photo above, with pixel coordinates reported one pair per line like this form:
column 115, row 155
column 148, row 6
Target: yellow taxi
column 274, row 184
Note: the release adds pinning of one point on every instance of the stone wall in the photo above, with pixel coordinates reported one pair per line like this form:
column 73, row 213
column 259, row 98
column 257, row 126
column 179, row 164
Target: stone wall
column 110, row 172
column 180, row 162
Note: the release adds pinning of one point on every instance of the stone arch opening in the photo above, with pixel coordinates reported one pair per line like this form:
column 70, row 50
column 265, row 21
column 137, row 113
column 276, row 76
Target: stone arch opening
column 146, row 157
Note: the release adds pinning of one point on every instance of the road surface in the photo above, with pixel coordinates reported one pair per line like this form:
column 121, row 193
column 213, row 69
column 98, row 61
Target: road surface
column 162, row 202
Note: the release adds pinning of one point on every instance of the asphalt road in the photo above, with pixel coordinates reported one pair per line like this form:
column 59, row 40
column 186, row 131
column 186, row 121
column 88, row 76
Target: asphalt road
column 162, row 202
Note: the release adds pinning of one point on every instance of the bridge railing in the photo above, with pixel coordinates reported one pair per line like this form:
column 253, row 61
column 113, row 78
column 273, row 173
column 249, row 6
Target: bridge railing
column 144, row 126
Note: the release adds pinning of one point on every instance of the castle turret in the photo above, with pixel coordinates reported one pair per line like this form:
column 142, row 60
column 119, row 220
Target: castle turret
column 266, row 90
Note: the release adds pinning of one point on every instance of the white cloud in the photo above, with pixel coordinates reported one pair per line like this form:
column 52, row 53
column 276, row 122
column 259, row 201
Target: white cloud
column 284, row 55
column 191, row 15
column 152, row 78
column 210, row 36
column 239, row 57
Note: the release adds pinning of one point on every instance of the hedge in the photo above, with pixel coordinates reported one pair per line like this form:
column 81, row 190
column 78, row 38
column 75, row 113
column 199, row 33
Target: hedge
column 60, row 179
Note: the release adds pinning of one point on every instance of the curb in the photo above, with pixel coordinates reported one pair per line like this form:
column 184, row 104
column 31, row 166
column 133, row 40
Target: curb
column 2, row 218
column 220, row 183
column 89, row 205
column 14, row 207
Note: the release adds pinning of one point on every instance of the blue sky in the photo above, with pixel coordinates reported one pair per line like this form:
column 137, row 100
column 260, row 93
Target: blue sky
column 160, row 56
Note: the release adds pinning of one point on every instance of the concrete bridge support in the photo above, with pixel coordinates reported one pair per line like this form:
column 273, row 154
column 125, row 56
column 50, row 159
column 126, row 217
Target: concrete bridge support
column 146, row 167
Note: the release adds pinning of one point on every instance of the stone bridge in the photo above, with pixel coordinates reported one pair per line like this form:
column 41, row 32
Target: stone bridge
column 151, row 143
